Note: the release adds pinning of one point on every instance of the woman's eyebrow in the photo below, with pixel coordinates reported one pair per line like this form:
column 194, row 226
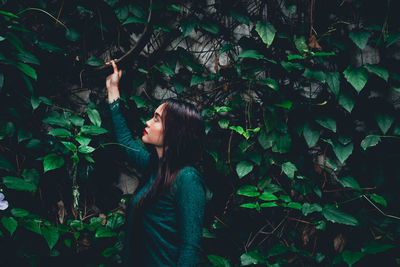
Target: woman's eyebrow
column 157, row 114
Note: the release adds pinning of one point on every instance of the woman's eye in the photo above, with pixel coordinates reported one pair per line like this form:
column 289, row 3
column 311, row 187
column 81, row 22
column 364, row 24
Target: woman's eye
column 155, row 119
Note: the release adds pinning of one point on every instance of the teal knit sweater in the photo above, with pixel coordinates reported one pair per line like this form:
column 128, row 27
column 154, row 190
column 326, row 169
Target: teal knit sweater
column 170, row 228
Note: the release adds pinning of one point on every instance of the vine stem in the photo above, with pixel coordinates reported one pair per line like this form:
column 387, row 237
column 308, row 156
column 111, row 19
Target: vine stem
column 47, row 13
column 127, row 147
column 376, row 207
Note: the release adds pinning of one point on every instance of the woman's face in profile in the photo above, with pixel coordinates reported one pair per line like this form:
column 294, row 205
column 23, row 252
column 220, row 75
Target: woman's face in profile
column 154, row 132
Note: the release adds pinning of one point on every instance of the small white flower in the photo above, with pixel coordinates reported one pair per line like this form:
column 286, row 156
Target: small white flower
column 3, row 203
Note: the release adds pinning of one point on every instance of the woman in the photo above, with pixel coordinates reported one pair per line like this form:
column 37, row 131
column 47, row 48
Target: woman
column 165, row 216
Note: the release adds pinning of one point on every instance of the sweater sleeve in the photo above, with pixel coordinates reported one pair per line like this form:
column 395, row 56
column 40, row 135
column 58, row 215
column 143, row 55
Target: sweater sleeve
column 135, row 152
column 190, row 202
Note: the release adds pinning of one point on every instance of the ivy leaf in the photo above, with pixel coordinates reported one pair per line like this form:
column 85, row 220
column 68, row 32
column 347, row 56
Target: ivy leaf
column 20, row 213
column 94, row 117
column 93, row 130
column 384, row 122
column 342, row 152
column 51, row 235
column 104, row 232
column 289, row 169
column 310, row 135
column 243, row 168
column 197, row 80
column 86, row 149
column 285, row 104
column 281, row 143
column 252, row 257
column 69, row 145
column 337, row 216
column 165, row 69
column 268, row 205
column 9, row 223
column 218, row 261
column 52, row 161
column 57, row 120
column 351, row 257
column 308, row 208
column 350, row 182
column 60, row 132
column 4, row 164
column 18, row 184
column 266, row 31
column 210, row 27
column 94, row 61
column 1, row 80
column 239, row 17
column 289, row 66
column 115, row 221
column 370, row 140
column 187, row 26
column 314, row 74
column 378, row 199
column 356, row 77
column 346, row 101
column 27, row 57
column 84, row 141
column 223, row 123
column 28, row 70
column 265, row 140
column 271, row 83
column 333, row 80
column 378, row 70
column 394, row 37
column 301, row 45
column 134, row 20
column 328, row 123
column 251, row 54
column 360, row 38
column 140, row 101
column 266, row 196
column 50, row 47
column 374, row 248
column 31, row 176
column 72, row 35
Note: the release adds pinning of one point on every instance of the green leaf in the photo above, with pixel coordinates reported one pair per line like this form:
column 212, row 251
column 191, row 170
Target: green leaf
column 308, row 208
column 346, row 101
column 350, row 182
column 251, row 54
column 281, row 143
column 32, row 225
column 187, row 26
column 84, row 141
column 9, row 14
column 115, row 221
column 289, row 66
column 50, row 47
column 69, row 145
column 31, row 176
column 27, row 57
column 89, row 158
column 94, row 117
column 16, row 183
column 266, row 31
column 264, row 140
column 20, row 213
column 356, row 77
column 294, row 205
column 197, row 80
column 394, row 37
column 351, row 257
column 52, row 161
column 104, row 232
column 271, row 83
column 285, row 104
column 134, row 20
column 374, row 248
column 289, row 169
column 51, row 235
column 10, row 224
column 23, row 135
column 72, row 35
column 384, row 122
column 342, row 152
column 239, row 17
column 310, row 135
column 86, row 149
column 267, row 196
column 58, row 120
column 218, row 261
column 301, row 45
column 378, row 199
column 4, row 164
column 252, row 257
column 108, row 252
column 268, row 205
column 378, row 70
column 238, row 129
column 276, row 250
column 93, row 130
column 360, row 38
column 1, row 81
column 60, row 132
column 174, row 8
column 248, row 191
column 165, row 69
column 94, row 61
column 328, row 123
column 140, row 101
column 28, row 70
column 314, row 74
column 243, row 168
column 223, row 123
column 370, row 140
column 337, row 216
column 210, row 27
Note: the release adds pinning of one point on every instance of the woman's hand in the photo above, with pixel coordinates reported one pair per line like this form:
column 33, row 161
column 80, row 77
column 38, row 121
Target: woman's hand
column 112, row 82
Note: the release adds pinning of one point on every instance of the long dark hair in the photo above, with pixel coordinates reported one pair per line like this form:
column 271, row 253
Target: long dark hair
column 182, row 145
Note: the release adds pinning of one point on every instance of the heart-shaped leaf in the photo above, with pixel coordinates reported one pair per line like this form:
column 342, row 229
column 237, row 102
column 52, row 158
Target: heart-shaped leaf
column 356, row 77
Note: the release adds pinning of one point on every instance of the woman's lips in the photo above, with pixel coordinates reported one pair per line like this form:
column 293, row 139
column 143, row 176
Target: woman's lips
column 144, row 132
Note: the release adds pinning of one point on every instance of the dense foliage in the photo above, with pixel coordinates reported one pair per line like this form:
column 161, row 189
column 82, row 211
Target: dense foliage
column 301, row 105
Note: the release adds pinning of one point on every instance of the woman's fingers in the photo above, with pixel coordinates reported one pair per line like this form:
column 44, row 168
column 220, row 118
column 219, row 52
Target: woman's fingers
column 114, row 66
